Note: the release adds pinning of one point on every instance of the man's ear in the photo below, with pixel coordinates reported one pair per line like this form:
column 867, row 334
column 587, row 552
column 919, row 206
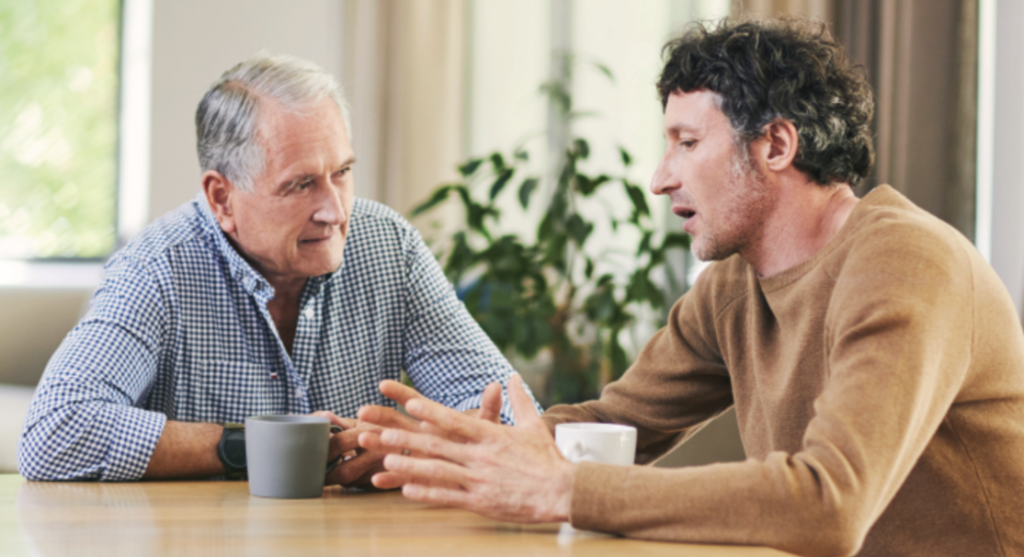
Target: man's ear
column 781, row 143
column 219, row 192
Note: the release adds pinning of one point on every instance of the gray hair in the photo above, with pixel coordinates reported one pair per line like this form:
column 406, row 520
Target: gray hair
column 227, row 117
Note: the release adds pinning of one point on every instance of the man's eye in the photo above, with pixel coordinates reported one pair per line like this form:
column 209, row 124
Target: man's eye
column 304, row 185
column 343, row 172
column 688, row 144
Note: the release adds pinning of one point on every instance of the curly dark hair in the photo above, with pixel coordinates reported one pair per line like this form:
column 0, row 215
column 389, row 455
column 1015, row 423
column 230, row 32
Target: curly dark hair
column 789, row 69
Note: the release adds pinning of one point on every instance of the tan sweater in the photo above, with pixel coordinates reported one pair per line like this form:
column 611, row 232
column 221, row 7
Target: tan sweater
column 879, row 388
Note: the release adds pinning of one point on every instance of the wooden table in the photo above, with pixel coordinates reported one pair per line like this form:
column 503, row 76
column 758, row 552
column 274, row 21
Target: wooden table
column 222, row 519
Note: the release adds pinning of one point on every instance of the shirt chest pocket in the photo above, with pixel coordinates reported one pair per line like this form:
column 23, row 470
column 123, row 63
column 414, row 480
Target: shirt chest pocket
column 221, row 391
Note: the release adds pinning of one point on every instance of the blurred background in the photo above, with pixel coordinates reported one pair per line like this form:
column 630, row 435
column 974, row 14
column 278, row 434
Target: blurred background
column 97, row 99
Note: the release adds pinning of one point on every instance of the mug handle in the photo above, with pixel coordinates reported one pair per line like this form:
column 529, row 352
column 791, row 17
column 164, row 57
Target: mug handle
column 334, row 463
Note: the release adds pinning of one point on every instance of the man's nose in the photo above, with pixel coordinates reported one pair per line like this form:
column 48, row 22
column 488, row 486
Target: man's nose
column 664, row 179
column 329, row 209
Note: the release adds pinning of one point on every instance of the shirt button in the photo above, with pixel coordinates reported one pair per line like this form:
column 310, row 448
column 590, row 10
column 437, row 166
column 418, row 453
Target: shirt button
column 308, row 313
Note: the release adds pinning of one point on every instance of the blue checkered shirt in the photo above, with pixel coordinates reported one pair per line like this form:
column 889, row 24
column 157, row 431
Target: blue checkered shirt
column 179, row 329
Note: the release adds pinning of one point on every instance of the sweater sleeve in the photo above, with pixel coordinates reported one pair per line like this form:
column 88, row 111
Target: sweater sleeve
column 899, row 335
column 676, row 385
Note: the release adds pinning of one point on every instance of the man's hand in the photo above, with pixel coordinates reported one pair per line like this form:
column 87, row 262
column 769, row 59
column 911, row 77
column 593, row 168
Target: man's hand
column 359, row 465
column 505, row 473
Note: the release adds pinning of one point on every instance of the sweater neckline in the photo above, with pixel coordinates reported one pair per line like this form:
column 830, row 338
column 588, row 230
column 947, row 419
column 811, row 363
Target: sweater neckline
column 881, row 195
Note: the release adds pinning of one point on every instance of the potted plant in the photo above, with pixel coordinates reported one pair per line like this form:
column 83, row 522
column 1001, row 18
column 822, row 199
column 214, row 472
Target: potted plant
column 560, row 292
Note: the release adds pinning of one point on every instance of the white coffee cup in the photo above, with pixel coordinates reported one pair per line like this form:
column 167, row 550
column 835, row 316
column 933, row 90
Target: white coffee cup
column 595, row 442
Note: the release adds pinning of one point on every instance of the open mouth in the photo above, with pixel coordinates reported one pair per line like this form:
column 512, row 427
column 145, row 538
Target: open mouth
column 683, row 212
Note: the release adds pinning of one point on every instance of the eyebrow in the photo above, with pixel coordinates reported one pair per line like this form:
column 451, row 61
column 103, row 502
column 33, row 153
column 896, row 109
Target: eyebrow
column 678, row 128
column 291, row 182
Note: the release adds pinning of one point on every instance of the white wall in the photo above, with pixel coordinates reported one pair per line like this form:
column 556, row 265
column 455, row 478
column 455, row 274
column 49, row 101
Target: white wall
column 194, row 41
column 1008, row 150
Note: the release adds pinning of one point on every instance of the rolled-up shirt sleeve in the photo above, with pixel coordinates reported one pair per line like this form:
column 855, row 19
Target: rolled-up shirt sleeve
column 84, row 421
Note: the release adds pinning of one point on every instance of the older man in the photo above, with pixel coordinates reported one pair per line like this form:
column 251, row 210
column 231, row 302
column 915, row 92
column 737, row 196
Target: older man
column 874, row 359
column 241, row 303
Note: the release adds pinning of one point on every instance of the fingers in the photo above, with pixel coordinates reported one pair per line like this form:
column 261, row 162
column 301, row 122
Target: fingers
column 490, row 404
column 522, row 405
column 398, row 392
column 334, row 419
column 426, row 470
column 392, row 480
column 387, row 418
column 448, row 420
column 402, row 442
column 437, row 495
column 345, row 441
column 356, row 471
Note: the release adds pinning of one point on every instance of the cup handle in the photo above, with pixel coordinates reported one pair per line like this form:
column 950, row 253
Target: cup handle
column 334, row 463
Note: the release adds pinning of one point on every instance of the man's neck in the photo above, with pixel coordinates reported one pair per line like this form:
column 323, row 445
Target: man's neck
column 284, row 309
column 804, row 219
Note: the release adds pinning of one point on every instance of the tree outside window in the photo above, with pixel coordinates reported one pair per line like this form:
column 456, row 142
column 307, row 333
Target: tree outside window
column 58, row 128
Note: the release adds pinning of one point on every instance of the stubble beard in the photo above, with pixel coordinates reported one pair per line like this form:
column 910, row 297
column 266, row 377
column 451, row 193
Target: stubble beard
column 748, row 205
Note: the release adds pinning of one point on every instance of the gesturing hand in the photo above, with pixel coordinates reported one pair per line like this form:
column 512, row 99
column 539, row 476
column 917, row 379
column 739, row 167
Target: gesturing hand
column 361, row 463
column 505, row 473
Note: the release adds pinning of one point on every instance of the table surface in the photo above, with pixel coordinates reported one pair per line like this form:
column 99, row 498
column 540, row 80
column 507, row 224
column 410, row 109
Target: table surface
column 221, row 519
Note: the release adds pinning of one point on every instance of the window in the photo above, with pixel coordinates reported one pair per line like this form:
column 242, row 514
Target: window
column 59, row 63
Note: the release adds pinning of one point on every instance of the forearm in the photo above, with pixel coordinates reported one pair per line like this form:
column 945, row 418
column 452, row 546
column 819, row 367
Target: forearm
column 186, row 450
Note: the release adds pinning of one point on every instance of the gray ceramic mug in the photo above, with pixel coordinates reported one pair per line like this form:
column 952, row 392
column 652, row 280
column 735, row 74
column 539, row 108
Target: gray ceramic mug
column 286, row 455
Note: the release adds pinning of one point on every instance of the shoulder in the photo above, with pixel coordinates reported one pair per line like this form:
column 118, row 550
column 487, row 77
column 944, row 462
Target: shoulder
column 893, row 239
column 181, row 227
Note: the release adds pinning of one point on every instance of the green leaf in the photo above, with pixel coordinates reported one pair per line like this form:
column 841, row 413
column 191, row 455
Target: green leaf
column 439, row 195
column 589, row 269
column 645, row 243
column 581, row 147
column 558, row 95
column 497, row 161
column 499, row 184
column 639, row 201
column 526, row 189
column 578, row 229
column 522, row 155
column 587, row 185
column 627, row 159
column 641, row 289
column 470, row 167
column 676, row 240
column 605, row 70
column 620, row 362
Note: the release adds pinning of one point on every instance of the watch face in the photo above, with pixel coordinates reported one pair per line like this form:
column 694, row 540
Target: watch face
column 234, row 449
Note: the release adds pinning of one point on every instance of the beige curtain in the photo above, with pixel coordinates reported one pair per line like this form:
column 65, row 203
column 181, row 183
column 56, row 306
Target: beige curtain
column 921, row 58
column 403, row 72
column 761, row 9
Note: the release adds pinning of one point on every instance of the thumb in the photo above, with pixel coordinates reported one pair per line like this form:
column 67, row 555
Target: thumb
column 490, row 403
column 522, row 405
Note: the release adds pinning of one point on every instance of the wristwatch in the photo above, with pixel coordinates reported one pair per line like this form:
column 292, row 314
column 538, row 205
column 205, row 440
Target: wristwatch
column 231, row 451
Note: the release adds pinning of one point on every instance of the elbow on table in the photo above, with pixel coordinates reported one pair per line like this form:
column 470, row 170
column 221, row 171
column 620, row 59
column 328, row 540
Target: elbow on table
column 41, row 458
